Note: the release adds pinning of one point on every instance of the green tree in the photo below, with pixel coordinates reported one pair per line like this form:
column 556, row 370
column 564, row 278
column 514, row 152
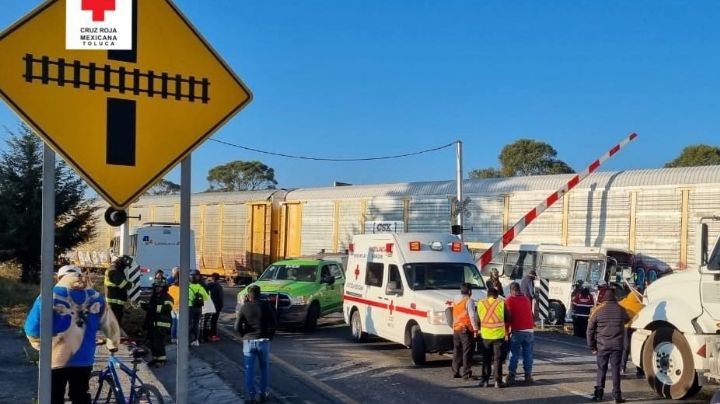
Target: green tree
column 241, row 176
column 697, row 155
column 489, row 172
column 525, row 157
column 21, row 205
column 164, row 187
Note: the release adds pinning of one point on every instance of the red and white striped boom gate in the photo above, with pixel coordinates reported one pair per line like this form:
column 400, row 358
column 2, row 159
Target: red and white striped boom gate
column 512, row 232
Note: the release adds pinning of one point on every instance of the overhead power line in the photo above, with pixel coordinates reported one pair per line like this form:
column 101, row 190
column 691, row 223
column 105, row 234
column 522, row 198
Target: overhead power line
column 333, row 159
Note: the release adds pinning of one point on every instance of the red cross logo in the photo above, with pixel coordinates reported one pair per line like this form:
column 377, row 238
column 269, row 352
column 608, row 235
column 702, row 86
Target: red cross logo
column 357, row 272
column 98, row 8
column 391, row 307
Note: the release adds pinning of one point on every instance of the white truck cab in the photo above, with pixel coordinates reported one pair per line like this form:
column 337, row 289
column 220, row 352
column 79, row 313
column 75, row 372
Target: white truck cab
column 400, row 287
column 676, row 338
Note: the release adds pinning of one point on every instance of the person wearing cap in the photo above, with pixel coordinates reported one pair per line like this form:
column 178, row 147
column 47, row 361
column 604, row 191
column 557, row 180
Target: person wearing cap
column 79, row 311
column 494, row 282
column 158, row 320
column 582, row 304
column 117, row 285
column 198, row 295
column 216, row 294
column 527, row 285
column 603, row 287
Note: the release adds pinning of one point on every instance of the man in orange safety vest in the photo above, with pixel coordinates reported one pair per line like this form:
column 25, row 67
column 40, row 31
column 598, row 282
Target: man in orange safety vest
column 465, row 325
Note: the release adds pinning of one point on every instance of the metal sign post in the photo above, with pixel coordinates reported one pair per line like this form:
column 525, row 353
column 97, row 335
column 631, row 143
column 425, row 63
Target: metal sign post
column 181, row 385
column 459, row 185
column 47, row 253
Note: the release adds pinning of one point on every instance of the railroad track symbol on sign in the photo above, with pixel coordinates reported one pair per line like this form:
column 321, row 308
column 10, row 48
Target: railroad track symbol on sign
column 121, row 118
column 543, row 298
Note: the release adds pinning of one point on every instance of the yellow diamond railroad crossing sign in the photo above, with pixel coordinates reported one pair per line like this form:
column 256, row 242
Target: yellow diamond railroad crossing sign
column 121, row 118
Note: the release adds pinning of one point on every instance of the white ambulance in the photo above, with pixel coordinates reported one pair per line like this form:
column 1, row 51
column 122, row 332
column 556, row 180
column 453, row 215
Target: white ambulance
column 400, row 286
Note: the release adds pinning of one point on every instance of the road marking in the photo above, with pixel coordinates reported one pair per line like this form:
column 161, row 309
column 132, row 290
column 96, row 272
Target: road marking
column 325, row 388
column 362, row 368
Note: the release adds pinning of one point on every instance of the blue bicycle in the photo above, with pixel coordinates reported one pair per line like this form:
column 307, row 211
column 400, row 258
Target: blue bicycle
column 110, row 389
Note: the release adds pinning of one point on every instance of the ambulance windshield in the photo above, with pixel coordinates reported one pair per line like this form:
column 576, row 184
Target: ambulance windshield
column 442, row 275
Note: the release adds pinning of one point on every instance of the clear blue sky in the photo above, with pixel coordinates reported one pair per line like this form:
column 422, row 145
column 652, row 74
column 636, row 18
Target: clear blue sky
column 367, row 78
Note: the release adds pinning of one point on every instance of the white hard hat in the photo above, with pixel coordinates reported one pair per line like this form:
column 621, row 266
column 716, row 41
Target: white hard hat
column 68, row 269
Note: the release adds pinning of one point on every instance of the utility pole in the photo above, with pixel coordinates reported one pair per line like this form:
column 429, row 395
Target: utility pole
column 459, row 208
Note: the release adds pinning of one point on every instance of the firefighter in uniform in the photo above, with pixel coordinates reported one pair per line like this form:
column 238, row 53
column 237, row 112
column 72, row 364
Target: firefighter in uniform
column 158, row 321
column 491, row 312
column 582, row 304
column 465, row 326
column 117, row 285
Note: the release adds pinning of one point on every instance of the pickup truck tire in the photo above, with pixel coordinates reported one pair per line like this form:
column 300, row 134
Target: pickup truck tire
column 668, row 364
column 417, row 346
column 312, row 317
column 358, row 335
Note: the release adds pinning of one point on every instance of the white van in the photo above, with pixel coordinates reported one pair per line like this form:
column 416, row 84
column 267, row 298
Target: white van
column 400, row 286
column 155, row 246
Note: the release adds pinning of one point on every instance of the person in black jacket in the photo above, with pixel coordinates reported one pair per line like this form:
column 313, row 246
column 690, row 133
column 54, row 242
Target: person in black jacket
column 117, row 285
column 605, row 337
column 158, row 321
column 256, row 326
column 216, row 294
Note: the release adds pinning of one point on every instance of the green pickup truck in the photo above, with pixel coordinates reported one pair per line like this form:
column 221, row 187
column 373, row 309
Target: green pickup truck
column 301, row 290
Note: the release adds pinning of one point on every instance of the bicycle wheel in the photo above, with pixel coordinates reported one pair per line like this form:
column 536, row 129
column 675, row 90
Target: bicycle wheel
column 148, row 394
column 105, row 389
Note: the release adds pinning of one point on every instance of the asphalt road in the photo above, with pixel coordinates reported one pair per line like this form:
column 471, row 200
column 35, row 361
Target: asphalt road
column 327, row 367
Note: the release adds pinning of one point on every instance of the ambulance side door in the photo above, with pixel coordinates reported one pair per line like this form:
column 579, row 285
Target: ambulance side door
column 376, row 310
column 394, row 295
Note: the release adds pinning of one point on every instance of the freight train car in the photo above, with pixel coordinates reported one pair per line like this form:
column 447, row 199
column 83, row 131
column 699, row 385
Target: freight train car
column 645, row 211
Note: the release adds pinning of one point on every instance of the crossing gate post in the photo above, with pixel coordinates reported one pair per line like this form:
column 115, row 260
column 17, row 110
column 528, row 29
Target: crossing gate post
column 543, row 300
column 133, row 274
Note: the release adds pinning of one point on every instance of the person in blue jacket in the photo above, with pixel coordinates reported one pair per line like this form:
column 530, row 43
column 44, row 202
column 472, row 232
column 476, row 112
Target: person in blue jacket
column 79, row 311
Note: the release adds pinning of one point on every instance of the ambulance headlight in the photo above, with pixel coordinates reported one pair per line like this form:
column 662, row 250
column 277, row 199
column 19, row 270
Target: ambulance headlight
column 298, row 300
column 437, row 317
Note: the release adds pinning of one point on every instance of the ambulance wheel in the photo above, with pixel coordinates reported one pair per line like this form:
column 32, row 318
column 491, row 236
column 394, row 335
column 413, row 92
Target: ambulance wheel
column 556, row 314
column 417, row 346
column 668, row 364
column 358, row 335
column 312, row 317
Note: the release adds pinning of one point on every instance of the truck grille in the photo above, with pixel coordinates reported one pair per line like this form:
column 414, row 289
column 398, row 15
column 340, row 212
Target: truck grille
column 276, row 299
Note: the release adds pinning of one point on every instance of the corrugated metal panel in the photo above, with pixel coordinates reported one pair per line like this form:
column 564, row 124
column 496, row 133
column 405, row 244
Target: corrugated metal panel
column 234, row 246
column 658, row 227
column 350, row 222
column 611, row 179
column 211, row 243
column 164, row 213
column 429, row 215
column 704, row 201
column 547, row 228
column 213, row 197
column 486, row 219
column 599, row 218
column 317, row 227
column 385, row 209
column 197, row 228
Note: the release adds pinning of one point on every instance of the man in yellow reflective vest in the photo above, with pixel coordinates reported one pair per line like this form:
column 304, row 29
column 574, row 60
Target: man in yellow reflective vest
column 117, row 285
column 491, row 312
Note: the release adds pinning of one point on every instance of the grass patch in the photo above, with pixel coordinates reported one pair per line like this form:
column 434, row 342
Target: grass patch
column 15, row 297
